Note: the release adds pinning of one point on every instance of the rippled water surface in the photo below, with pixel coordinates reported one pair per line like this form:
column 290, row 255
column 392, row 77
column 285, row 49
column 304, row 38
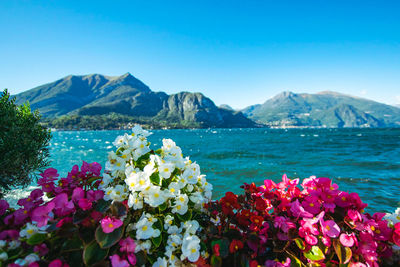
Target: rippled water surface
column 366, row 161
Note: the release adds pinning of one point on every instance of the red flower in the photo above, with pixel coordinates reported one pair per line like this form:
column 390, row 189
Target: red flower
column 258, row 220
column 235, row 246
column 254, row 263
column 216, row 249
column 396, row 234
column 228, row 203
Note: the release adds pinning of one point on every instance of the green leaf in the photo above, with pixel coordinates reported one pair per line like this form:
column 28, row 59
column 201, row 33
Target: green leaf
column 157, row 241
column 155, row 178
column 163, row 206
column 314, row 254
column 216, row 261
column 110, row 239
column 300, row 243
column 158, row 151
column 118, row 209
column 92, row 253
column 185, row 217
column 79, row 216
column 102, row 205
column 344, row 253
column 36, row 239
column 158, row 225
column 140, row 258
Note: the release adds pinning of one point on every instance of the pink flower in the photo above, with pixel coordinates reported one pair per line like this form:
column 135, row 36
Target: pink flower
column 116, row 261
column 58, row 263
column 20, row 216
column 396, row 234
column 283, row 223
column 326, row 241
column 85, row 204
column 343, row 200
column 108, row 224
column 354, row 215
column 41, row 249
column 298, row 210
column 78, row 194
column 311, row 204
column 62, row 206
column 330, row 228
column 347, row 240
column 3, row 206
column 41, row 214
column 9, row 235
column 127, row 245
column 95, row 195
column 131, row 258
column 94, row 168
column 64, row 221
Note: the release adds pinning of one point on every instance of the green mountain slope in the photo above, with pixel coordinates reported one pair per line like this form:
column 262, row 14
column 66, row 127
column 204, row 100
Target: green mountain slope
column 95, row 94
column 325, row 109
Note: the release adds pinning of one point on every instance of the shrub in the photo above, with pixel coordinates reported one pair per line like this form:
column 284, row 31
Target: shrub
column 23, row 144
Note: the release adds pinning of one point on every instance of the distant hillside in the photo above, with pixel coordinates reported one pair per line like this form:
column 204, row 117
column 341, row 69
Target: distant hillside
column 97, row 95
column 325, row 109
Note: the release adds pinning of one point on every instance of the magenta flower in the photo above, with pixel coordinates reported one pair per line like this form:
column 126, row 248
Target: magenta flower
column 131, row 258
column 108, row 224
column 95, row 195
column 330, row 228
column 41, row 249
column 50, row 174
column 85, row 204
column 20, row 216
column 62, row 206
column 78, row 194
column 343, row 200
column 347, row 240
column 127, row 245
column 9, row 235
column 354, row 215
column 298, row 210
column 311, row 204
column 3, row 206
column 57, row 263
column 283, row 223
column 41, row 214
column 94, row 168
column 116, row 261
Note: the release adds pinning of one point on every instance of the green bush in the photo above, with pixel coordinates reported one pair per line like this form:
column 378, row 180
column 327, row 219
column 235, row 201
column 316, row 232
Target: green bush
column 23, row 144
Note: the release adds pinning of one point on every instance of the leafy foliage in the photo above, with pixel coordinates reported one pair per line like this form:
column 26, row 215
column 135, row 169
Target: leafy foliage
column 23, row 143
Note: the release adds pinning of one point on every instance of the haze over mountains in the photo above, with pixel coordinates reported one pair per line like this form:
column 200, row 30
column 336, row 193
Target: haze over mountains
column 97, row 94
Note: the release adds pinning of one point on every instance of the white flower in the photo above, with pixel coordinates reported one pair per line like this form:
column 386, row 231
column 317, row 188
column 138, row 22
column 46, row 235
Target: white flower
column 168, row 144
column 119, row 193
column 137, row 130
column 105, row 181
column 135, row 202
column 174, row 189
column 3, row 256
column 120, row 141
column 14, row 244
column 180, row 208
column 182, row 182
column 166, row 169
column 174, row 230
column 190, row 176
column 155, row 197
column 161, row 262
column 174, row 240
column 168, row 220
column 191, row 247
column 21, row 262
column 143, row 245
column 189, row 187
column 31, row 258
column 191, row 226
column 29, row 231
column 142, row 181
column 107, row 193
column 144, row 227
column 3, row 243
column 197, row 198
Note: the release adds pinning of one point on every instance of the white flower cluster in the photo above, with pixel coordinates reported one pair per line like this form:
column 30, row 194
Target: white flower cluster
column 394, row 218
column 166, row 187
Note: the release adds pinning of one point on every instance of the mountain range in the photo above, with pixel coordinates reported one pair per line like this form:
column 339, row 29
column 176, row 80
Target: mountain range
column 324, row 109
column 99, row 95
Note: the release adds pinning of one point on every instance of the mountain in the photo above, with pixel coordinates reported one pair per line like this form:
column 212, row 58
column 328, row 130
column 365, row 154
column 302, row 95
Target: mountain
column 96, row 94
column 324, row 109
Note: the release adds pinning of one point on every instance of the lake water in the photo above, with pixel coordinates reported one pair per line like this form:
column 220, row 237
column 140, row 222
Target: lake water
column 366, row 161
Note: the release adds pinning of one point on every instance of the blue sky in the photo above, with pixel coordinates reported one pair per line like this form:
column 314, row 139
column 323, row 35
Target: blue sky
column 235, row 52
